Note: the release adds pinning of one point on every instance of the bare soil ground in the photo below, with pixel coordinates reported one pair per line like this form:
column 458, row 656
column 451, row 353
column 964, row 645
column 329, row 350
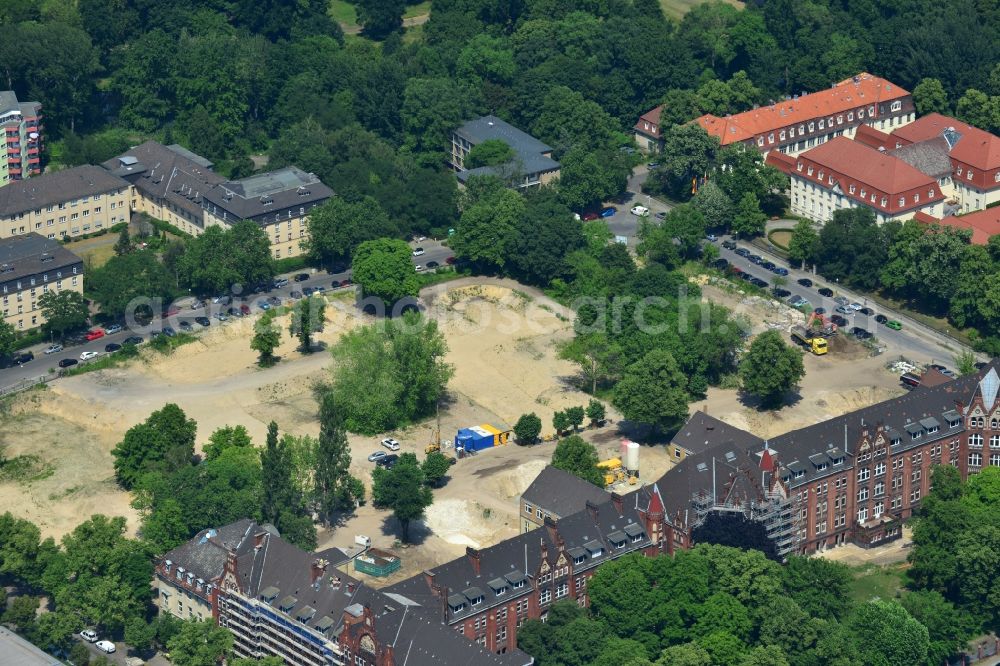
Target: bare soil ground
column 503, row 341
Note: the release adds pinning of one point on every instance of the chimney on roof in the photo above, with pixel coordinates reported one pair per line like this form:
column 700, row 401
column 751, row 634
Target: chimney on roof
column 552, row 528
column 474, row 558
column 592, row 510
column 317, row 570
column 619, row 502
column 258, row 539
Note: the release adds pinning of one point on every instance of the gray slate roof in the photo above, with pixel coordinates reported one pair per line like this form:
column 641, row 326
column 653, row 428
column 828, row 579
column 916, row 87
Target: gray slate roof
column 167, row 172
column 21, row 196
column 561, row 493
column 268, row 193
column 530, row 151
column 33, row 254
column 929, row 157
column 8, row 101
column 703, row 432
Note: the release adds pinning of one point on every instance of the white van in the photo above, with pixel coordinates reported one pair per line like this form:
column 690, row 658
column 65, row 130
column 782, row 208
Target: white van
column 640, row 210
column 105, row 646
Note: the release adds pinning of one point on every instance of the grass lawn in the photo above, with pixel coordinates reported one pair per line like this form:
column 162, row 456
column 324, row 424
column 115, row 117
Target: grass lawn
column 413, row 34
column 877, row 581
column 343, row 12
column 95, row 252
column 677, row 8
column 781, row 238
column 418, row 9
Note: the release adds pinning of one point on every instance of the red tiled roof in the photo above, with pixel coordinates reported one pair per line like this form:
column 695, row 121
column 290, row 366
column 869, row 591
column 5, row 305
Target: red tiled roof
column 977, row 147
column 872, row 137
column 983, row 223
column 872, row 167
column 781, row 161
column 652, row 118
column 843, row 96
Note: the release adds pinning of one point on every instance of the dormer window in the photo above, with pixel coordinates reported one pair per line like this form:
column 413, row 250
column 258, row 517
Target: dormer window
column 799, row 474
column 798, row 167
column 812, row 126
column 820, row 176
column 851, row 189
column 809, row 171
column 896, row 106
column 850, row 116
column 518, row 585
column 760, row 141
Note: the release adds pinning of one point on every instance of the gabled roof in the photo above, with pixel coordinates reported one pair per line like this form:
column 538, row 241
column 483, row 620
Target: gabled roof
column 703, row 432
column 21, row 196
column 929, row 156
column 561, row 493
column 859, row 91
column 975, row 147
column 872, row 167
column 271, row 192
column 983, row 223
column 652, row 118
column 33, row 254
column 873, row 138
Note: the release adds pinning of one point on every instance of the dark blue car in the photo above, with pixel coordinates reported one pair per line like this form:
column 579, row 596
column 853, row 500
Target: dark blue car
column 780, row 271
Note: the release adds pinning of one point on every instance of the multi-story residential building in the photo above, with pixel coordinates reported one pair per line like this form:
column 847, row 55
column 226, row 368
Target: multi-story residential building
column 279, row 201
column 170, row 183
column 703, row 432
column 31, row 265
column 21, row 125
column 486, row 595
column 555, row 494
column 278, row 600
column 983, row 223
column 801, row 122
column 70, row 202
column 532, row 164
column 842, row 173
column 648, row 131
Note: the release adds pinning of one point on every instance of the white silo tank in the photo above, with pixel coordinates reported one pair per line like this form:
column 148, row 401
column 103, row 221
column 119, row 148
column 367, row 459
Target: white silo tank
column 632, row 457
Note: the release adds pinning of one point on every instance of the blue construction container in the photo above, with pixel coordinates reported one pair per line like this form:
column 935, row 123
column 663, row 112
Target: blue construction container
column 474, row 439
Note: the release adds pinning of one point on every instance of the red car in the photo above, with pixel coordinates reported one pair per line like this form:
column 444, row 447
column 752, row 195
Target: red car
column 95, row 334
column 245, row 309
column 450, row 261
column 591, row 215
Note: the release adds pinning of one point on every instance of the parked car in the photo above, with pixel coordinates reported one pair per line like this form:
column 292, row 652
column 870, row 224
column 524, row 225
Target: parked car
column 805, row 282
column 780, row 293
column 418, row 252
column 204, row 321
column 23, row 357
column 857, row 307
column 825, row 291
column 841, row 300
column 280, row 282
column 244, row 309
column 591, row 215
column 909, row 380
column 87, row 355
column 263, row 305
column 757, row 282
column 843, row 309
column 186, row 325
column 796, row 301
column 608, row 211
column 881, row 318
column 274, row 301
column 112, row 347
column 868, row 312
column 743, row 252
column 67, row 362
column 448, row 260
column 105, row 646
column 114, row 328
column 711, row 238
column 234, row 312
column 768, row 265
column 221, row 316
column 301, row 277
column 308, row 291
column 819, row 310
column 197, row 305
column 720, row 263
column 134, row 340
column 780, row 270
column 639, row 210
column 296, row 295
column 729, row 245
column 94, row 334
column 755, row 259
column 390, row 444
column 894, row 325
column 838, row 320
column 387, row 461
column 53, row 349
column 89, row 635
column 432, row 264
column 169, row 331
column 376, row 455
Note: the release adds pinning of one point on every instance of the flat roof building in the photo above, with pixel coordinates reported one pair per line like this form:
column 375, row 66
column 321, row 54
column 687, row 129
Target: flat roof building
column 16, row 651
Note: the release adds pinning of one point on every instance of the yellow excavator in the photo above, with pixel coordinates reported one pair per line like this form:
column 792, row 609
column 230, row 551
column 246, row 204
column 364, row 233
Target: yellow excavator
column 435, row 445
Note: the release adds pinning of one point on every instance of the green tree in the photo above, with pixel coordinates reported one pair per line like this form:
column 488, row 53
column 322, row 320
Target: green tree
column 338, row 227
column 714, row 205
column 335, row 488
column 432, row 109
column 164, row 441
column 380, row 17
column 200, row 643
column 527, row 428
column 492, row 152
column 596, row 411
column 124, row 243
column 64, row 311
column 977, row 108
column 546, row 234
column 804, row 244
column 652, row 392
column 384, row 269
column 688, row 654
column 686, row 225
column 579, row 458
column 818, row 586
column 487, row 233
column 575, row 416
column 139, row 634
column 235, row 259
column 888, row 636
column 266, row 338
column 949, row 629
column 929, row 96
column 21, row 612
column 128, row 279
column 308, row 317
column 224, row 438
column 688, row 153
column 770, row 368
column 402, row 489
column 587, row 178
column 965, row 362
column 279, row 489
column 79, row 654
column 749, row 220
column 8, row 338
column 435, row 467
column 560, row 421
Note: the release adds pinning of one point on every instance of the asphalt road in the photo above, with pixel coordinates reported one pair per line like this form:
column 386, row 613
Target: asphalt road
column 44, row 363
column 915, row 341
